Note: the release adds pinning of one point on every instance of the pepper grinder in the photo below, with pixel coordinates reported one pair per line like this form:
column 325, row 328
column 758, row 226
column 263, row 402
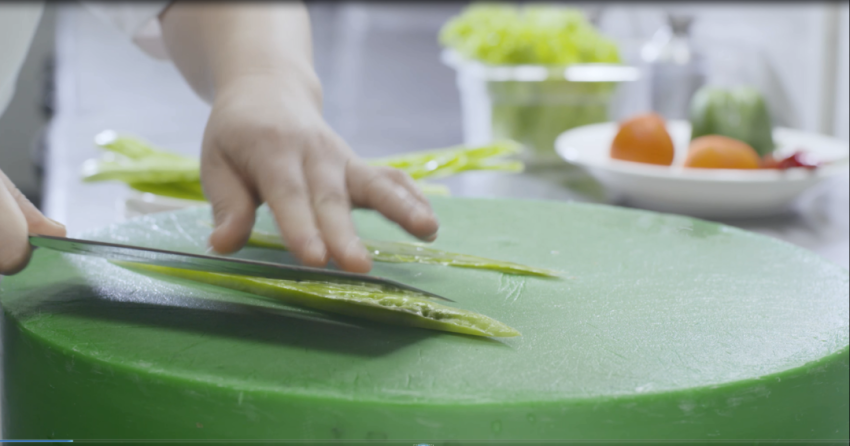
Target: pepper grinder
column 675, row 69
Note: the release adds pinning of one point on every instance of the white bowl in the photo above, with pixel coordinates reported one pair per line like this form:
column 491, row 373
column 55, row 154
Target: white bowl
column 708, row 193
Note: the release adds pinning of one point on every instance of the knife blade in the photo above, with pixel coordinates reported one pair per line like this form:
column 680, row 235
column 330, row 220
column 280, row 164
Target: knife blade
column 216, row 264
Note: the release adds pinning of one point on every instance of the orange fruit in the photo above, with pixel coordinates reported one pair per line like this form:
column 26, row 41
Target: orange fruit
column 643, row 139
column 721, row 152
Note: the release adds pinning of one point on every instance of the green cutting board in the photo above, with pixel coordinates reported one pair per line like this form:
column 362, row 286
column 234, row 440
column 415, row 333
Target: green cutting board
column 664, row 327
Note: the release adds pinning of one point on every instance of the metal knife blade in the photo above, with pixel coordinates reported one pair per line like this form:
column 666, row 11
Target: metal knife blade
column 216, row 264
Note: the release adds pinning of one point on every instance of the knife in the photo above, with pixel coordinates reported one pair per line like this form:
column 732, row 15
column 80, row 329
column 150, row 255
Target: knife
column 215, row 264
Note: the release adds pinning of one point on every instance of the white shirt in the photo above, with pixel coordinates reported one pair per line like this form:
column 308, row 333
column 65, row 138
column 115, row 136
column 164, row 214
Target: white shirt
column 18, row 21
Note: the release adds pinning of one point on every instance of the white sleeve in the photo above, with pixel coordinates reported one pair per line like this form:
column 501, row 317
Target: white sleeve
column 137, row 20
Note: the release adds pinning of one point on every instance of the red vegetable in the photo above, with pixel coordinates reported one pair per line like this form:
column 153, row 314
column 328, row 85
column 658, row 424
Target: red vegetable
column 797, row 159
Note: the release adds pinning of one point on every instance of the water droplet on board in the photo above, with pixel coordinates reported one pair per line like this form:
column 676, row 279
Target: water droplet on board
column 531, row 419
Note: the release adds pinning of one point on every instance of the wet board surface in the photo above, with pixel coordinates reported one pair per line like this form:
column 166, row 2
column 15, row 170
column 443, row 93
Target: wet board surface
column 664, row 327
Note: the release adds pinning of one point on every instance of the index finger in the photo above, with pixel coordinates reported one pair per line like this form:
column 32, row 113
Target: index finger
column 281, row 184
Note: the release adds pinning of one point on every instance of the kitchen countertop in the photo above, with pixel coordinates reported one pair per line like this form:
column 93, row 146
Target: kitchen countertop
column 103, row 82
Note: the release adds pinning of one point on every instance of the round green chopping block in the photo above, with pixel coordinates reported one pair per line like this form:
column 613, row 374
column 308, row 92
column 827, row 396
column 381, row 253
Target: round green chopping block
column 664, row 327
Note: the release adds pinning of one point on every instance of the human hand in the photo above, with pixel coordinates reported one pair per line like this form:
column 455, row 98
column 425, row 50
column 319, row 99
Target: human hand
column 266, row 141
column 18, row 219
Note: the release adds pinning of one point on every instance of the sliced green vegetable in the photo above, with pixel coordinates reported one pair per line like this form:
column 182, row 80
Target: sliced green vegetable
column 405, row 252
column 363, row 301
column 144, row 167
column 150, row 169
column 184, row 190
column 145, row 170
column 740, row 113
column 133, row 148
column 450, row 161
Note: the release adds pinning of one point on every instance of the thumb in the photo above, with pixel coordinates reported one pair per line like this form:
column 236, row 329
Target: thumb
column 233, row 205
column 17, row 218
column 37, row 223
column 14, row 246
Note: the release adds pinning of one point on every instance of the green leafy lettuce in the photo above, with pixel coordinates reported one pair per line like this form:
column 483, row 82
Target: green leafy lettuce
column 534, row 113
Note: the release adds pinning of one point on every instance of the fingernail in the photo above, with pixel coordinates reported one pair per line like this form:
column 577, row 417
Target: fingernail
column 55, row 222
column 356, row 249
column 316, row 249
column 430, row 238
column 210, row 249
column 223, row 221
column 421, row 212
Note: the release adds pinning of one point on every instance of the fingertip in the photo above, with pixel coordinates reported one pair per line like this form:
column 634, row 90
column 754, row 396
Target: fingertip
column 314, row 253
column 429, row 238
column 423, row 223
column 15, row 258
column 48, row 226
column 314, row 262
column 356, row 258
column 231, row 235
column 359, row 265
column 218, row 244
column 61, row 231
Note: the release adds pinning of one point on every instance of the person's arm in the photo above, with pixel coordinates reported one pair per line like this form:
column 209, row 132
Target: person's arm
column 266, row 140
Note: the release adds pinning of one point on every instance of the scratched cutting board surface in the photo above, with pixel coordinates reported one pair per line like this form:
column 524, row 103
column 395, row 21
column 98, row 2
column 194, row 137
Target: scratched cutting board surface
column 652, row 306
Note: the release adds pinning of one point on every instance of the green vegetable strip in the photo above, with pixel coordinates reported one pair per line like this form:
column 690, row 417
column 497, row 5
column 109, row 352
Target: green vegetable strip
column 183, row 190
column 143, row 166
column 150, row 169
column 453, row 160
column 402, row 252
column 137, row 149
column 362, row 301
column 146, row 170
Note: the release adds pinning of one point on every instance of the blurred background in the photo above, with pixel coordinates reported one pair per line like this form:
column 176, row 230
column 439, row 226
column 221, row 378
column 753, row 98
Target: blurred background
column 389, row 89
column 386, row 88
